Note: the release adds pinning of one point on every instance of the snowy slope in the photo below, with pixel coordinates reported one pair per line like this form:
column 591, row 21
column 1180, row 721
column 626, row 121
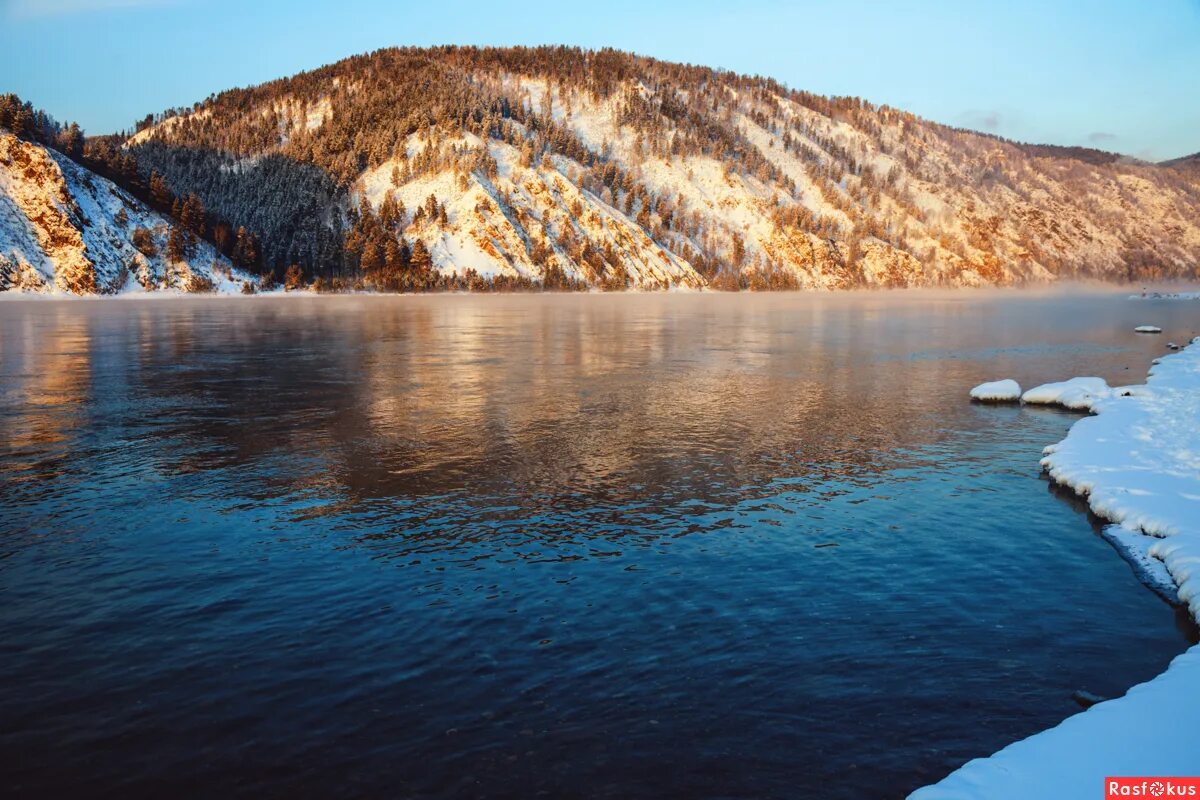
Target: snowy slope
column 1137, row 461
column 491, row 221
column 64, row 229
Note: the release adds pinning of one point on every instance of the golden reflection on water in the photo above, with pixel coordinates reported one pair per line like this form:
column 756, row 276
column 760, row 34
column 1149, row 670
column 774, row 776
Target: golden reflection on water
column 47, row 377
column 563, row 397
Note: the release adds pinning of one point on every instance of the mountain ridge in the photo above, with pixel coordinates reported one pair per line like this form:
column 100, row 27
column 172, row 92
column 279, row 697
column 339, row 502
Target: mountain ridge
column 466, row 167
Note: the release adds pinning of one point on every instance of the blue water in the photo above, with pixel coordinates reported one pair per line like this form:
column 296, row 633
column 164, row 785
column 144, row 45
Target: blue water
column 598, row 546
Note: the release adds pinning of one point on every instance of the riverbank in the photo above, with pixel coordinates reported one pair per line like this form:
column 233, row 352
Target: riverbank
column 1137, row 463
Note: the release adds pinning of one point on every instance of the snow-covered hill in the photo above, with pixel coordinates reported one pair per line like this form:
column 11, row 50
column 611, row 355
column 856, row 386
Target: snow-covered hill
column 64, row 229
column 618, row 171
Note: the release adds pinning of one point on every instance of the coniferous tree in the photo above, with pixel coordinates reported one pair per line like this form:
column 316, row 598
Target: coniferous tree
column 70, row 142
column 177, row 247
column 159, row 193
column 239, row 248
column 191, row 219
column 393, row 257
column 420, row 262
column 372, row 258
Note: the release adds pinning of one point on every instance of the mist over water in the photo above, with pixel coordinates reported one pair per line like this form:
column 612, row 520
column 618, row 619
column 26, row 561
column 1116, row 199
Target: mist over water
column 583, row 546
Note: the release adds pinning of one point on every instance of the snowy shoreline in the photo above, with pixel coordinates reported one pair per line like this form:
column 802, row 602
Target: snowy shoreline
column 1136, row 461
column 1063, row 288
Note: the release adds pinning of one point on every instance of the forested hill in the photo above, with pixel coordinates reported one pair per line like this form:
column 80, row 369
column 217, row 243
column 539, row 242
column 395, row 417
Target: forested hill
column 64, row 228
column 495, row 168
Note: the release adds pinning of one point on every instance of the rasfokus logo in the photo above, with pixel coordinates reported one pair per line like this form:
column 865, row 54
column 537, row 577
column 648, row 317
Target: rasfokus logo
column 1151, row 787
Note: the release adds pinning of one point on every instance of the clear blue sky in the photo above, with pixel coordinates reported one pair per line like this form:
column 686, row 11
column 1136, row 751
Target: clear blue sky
column 1121, row 76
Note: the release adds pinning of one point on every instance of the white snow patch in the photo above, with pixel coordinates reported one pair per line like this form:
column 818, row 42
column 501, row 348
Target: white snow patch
column 1148, row 329
column 997, row 391
column 1077, row 393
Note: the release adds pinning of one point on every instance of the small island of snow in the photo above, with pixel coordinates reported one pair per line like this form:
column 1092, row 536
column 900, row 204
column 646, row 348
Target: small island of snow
column 1147, row 329
column 1077, row 393
column 1004, row 391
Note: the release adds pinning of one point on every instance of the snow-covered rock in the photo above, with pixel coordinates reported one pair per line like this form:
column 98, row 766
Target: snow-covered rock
column 1077, row 393
column 64, row 229
column 1137, row 462
column 1006, row 390
column 1147, row 329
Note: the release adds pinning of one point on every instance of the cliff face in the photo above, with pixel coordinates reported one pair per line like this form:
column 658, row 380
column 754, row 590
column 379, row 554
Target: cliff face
column 64, row 229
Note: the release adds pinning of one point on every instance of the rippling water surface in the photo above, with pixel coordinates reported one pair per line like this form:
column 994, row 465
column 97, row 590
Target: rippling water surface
column 570, row 546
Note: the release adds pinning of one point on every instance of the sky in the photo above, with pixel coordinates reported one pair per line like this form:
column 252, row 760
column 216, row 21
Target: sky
column 1121, row 76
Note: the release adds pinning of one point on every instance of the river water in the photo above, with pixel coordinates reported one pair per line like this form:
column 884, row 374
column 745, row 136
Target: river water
column 562, row 546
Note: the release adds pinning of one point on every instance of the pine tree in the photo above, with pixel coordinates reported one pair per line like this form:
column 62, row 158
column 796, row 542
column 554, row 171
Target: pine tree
column 22, row 121
column 239, row 248
column 393, row 257
column 389, row 213
column 70, row 141
column 420, row 262
column 192, row 215
column 176, row 244
column 159, row 192
column 293, row 278
column 252, row 252
column 191, row 219
column 372, row 257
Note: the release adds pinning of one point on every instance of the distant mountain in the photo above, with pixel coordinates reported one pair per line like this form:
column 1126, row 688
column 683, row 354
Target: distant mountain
column 66, row 229
column 1189, row 164
column 504, row 168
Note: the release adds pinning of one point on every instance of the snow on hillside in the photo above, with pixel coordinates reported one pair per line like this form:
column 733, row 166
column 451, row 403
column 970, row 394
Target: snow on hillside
column 491, row 221
column 993, row 227
column 66, row 229
column 680, row 175
column 1137, row 462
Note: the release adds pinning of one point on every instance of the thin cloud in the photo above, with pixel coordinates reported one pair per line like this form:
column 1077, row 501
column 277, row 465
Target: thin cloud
column 32, row 9
column 981, row 120
column 1099, row 137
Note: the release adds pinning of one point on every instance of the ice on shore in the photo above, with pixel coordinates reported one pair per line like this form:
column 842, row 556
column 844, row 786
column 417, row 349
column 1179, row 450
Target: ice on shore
column 1137, row 462
column 1166, row 296
column 1148, row 329
column 997, row 391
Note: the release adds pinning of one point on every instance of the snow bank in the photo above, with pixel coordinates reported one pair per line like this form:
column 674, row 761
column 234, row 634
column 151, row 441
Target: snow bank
column 1149, row 731
column 997, row 391
column 1137, row 461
